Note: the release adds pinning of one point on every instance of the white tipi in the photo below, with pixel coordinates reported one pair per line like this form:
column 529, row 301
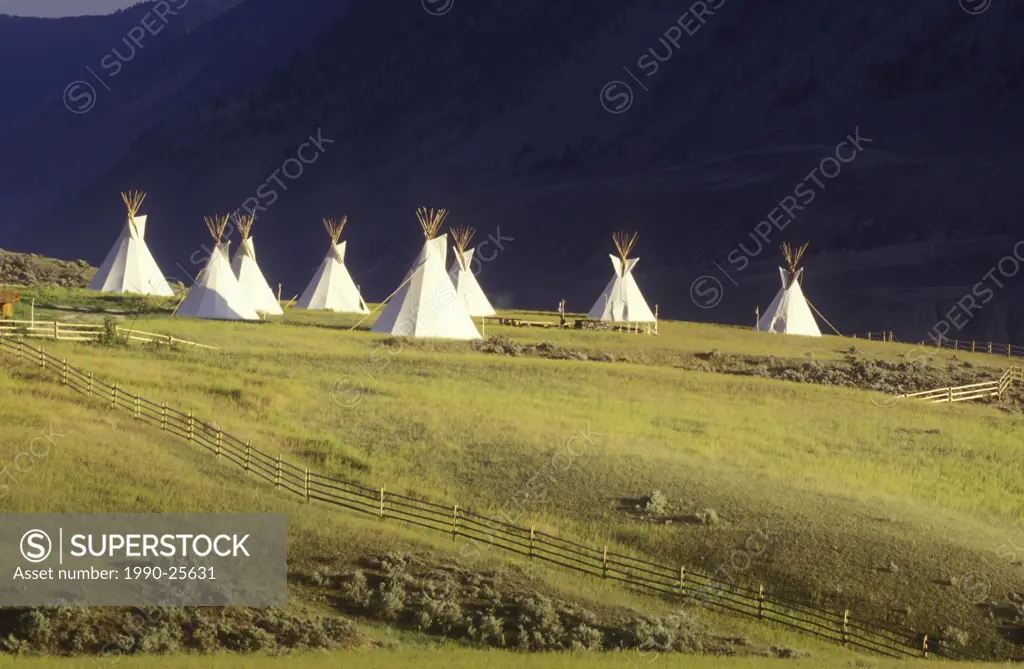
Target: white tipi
column 247, row 271
column 426, row 303
column 216, row 293
column 332, row 287
column 789, row 312
column 466, row 287
column 129, row 266
column 621, row 301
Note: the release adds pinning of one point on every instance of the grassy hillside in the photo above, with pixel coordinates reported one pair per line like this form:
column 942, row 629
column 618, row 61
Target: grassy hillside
column 879, row 509
column 461, row 659
column 142, row 470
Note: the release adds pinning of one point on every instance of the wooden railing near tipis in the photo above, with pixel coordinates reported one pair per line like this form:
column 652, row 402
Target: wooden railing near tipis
column 83, row 332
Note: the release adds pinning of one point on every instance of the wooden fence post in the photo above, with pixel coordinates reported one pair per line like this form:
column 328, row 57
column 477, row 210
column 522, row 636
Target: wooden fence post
column 307, row 485
column 760, row 601
column 990, row 348
column 113, row 397
column 191, row 427
column 138, row 407
column 19, row 350
column 604, row 563
column 220, row 435
column 455, row 520
column 64, row 372
column 42, row 358
column 90, row 383
column 949, row 394
column 956, row 344
column 682, row 579
column 532, row 538
column 56, row 330
column 924, row 646
column 248, row 454
column 163, row 416
column 846, row 627
column 1008, row 350
column 277, row 472
column 972, row 346
column 382, row 502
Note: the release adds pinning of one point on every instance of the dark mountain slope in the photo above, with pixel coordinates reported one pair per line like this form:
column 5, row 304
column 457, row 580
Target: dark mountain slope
column 40, row 57
column 57, row 151
column 494, row 110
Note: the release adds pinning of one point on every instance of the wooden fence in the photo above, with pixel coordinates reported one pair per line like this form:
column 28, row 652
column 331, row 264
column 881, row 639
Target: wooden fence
column 874, row 336
column 972, row 391
column 83, row 332
column 1009, row 350
column 456, row 521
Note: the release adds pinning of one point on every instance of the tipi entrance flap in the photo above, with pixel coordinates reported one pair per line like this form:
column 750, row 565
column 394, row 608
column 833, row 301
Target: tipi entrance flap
column 140, row 226
column 338, row 250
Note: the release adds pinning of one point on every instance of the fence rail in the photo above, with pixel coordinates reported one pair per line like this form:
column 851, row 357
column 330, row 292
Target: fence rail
column 972, row 346
column 83, row 332
column 679, row 581
column 1008, row 350
column 972, row 391
column 874, row 336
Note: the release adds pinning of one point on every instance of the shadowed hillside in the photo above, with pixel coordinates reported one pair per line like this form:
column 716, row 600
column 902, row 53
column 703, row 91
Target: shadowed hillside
column 495, row 111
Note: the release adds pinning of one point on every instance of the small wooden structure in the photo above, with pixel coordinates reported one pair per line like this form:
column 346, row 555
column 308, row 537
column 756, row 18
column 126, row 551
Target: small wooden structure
column 7, row 300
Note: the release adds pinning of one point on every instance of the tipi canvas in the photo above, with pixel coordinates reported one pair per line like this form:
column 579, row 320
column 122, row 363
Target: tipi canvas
column 250, row 277
column 621, row 301
column 467, row 288
column 426, row 303
column 216, row 293
column 129, row 266
column 789, row 312
column 332, row 287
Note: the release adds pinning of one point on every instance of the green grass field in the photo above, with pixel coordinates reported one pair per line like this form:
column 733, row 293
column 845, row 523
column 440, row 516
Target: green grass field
column 878, row 509
column 448, row 658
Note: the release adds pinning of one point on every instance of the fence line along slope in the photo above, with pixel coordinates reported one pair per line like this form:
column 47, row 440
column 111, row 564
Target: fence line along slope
column 839, row 627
